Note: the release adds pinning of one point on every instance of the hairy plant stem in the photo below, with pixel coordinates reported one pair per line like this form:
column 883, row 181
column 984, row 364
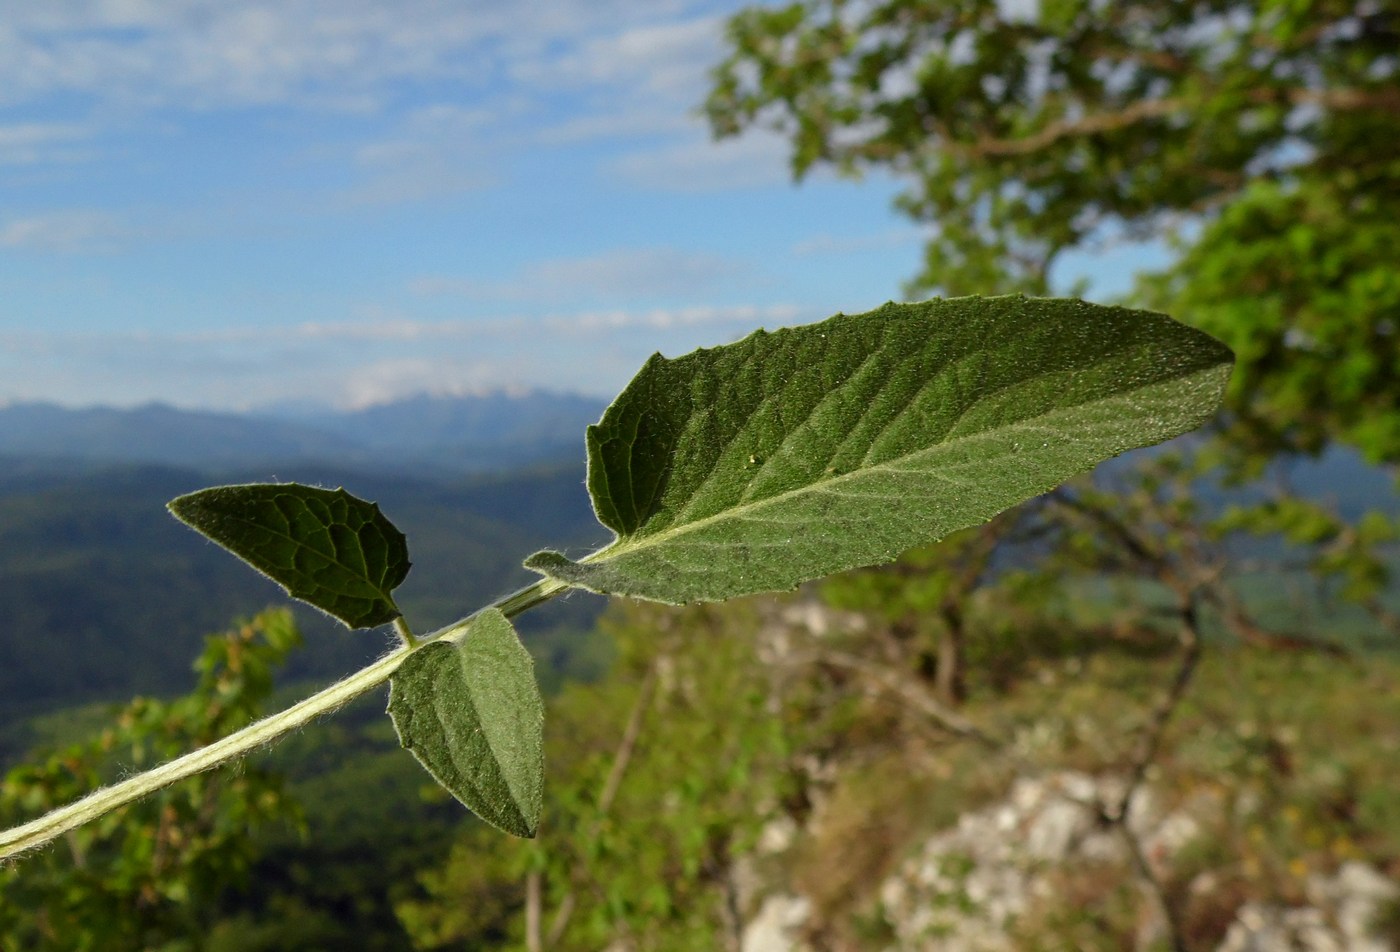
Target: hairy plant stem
column 405, row 633
column 57, row 822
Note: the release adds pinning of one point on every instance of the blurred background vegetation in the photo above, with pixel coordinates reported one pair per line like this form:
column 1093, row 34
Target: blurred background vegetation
column 1169, row 691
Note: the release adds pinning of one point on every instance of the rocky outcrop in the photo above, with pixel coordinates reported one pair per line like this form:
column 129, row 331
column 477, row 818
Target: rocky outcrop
column 1340, row 915
column 964, row 889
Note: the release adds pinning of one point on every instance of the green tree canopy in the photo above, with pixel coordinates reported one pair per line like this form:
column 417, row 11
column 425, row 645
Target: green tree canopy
column 1259, row 135
column 155, row 875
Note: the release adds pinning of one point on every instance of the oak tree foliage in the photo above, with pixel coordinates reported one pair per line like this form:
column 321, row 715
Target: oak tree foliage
column 1258, row 136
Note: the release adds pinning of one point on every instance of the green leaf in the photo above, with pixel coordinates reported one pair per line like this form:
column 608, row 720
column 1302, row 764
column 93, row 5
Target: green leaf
column 472, row 715
column 791, row 455
column 325, row 547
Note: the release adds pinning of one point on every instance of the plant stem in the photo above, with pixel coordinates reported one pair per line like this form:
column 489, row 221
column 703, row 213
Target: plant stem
column 60, row 821
column 523, row 599
column 242, row 742
column 405, row 633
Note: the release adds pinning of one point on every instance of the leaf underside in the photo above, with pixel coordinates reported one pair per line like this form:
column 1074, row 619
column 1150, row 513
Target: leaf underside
column 324, row 546
column 791, row 455
column 472, row 715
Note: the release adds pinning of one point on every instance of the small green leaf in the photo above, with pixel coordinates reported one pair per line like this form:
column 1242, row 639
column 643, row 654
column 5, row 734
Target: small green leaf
column 788, row 456
column 472, row 715
column 325, row 547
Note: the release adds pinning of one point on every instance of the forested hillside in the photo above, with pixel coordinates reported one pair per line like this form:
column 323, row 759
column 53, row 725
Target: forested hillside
column 109, row 596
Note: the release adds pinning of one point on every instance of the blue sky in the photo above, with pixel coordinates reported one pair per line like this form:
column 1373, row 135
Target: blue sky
column 234, row 204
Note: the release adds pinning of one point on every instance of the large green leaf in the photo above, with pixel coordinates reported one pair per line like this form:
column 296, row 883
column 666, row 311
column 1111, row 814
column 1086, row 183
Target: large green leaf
column 790, row 455
column 324, row 546
column 472, row 715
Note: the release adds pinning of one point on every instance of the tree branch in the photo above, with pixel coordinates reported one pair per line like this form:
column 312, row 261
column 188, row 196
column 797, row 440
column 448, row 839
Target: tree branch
column 621, row 758
column 1345, row 100
column 1092, row 124
column 1148, row 744
column 532, row 912
column 945, row 717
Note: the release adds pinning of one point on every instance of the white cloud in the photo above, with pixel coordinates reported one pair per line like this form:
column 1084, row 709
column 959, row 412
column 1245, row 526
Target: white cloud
column 382, row 381
column 645, row 272
column 65, row 231
column 642, row 120
column 507, row 77
column 210, row 53
column 425, row 133
column 667, row 59
column 364, row 362
column 621, row 274
column 391, row 329
column 30, row 143
column 432, row 151
column 828, row 244
column 672, row 318
column 699, row 165
column 646, row 80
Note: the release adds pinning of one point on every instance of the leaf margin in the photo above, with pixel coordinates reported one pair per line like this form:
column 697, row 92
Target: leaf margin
column 519, row 815
column 209, row 511
column 598, row 570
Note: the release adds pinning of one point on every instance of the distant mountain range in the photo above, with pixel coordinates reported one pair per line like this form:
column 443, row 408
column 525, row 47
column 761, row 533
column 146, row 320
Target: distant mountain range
column 460, row 434
column 106, row 595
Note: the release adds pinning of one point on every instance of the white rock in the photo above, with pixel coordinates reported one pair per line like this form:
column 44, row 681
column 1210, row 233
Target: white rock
column 1339, row 920
column 774, row 928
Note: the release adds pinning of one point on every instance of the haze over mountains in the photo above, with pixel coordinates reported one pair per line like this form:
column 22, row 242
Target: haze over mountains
column 107, row 596
column 450, row 434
